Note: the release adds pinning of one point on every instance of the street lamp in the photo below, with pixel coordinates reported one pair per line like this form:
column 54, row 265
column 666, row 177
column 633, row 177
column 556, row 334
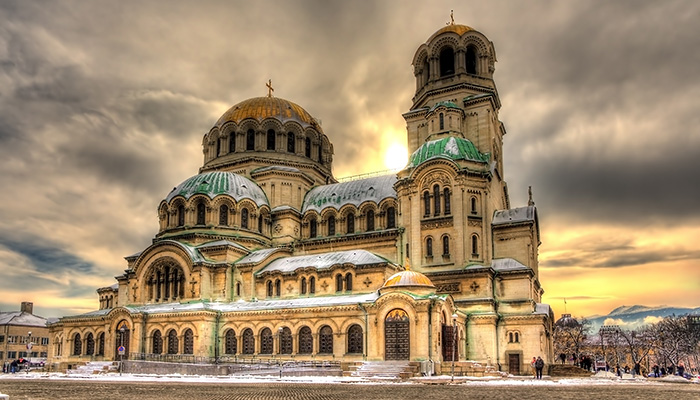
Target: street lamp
column 454, row 344
column 122, row 330
column 279, row 335
column 29, row 351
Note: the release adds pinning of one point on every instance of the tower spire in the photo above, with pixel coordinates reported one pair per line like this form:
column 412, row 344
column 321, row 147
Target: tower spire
column 530, row 202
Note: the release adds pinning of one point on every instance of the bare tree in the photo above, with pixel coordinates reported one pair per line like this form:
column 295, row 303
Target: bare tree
column 570, row 336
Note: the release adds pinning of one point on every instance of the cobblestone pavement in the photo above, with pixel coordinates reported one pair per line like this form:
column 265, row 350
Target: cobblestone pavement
column 39, row 389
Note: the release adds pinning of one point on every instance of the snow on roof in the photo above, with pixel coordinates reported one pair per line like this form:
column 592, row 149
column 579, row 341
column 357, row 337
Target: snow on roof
column 275, row 168
column 283, row 208
column 222, row 243
column 355, row 192
column 215, row 183
column 21, row 318
column 506, row 264
column 257, row 256
column 514, row 215
column 541, row 308
column 323, row 261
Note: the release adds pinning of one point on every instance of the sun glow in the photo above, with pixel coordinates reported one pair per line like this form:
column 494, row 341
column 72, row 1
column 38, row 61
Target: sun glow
column 396, row 156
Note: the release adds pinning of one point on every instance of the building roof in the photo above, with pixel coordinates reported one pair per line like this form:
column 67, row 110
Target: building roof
column 454, row 148
column 507, row 264
column 514, row 215
column 260, row 108
column 454, row 28
column 374, row 189
column 408, row 278
column 323, row 261
column 257, row 256
column 216, row 183
column 22, row 319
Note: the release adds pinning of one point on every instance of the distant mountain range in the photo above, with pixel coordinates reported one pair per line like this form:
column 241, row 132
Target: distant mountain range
column 633, row 317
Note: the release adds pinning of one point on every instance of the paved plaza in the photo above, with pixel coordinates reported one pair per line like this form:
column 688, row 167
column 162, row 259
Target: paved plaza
column 40, row 389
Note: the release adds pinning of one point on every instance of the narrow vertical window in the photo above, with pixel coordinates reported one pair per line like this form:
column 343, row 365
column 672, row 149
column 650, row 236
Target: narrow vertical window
column 331, row 225
column 350, row 223
column 473, row 205
column 471, row 60
column 232, row 142
column 312, row 228
column 223, row 215
column 307, row 147
column 447, row 61
column 244, row 218
column 370, row 220
column 436, row 199
column 278, row 288
column 312, row 285
column 201, row 214
column 189, row 342
column 260, row 223
column 426, row 203
column 442, row 121
column 348, row 281
column 475, row 247
column 180, row 215
column 445, row 246
column 271, row 139
column 429, row 247
column 238, row 289
column 303, row 285
column 339, row 283
column 250, row 140
column 291, row 144
column 390, row 218
column 269, row 289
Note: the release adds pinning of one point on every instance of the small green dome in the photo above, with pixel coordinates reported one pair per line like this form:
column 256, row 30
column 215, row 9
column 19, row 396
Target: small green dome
column 215, row 183
column 451, row 147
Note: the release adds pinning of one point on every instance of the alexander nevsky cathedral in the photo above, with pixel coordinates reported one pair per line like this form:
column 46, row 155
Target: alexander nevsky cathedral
column 264, row 254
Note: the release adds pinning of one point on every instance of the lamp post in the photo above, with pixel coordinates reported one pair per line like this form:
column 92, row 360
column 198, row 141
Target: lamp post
column 454, row 344
column 29, row 351
column 279, row 335
column 122, row 330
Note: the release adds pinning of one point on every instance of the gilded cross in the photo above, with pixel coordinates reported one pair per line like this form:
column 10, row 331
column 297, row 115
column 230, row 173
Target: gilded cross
column 367, row 282
column 452, row 18
column 269, row 88
column 474, row 286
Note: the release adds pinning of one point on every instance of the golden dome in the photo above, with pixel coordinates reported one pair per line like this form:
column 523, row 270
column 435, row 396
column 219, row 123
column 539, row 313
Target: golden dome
column 408, row 278
column 260, row 108
column 456, row 28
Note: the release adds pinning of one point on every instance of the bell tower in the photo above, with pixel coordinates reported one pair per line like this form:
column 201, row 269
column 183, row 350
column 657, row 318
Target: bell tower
column 455, row 92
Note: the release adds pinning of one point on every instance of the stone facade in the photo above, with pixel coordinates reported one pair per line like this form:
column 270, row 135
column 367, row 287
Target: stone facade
column 264, row 253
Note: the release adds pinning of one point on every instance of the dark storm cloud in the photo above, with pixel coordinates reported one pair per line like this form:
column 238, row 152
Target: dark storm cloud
column 618, row 258
column 45, row 257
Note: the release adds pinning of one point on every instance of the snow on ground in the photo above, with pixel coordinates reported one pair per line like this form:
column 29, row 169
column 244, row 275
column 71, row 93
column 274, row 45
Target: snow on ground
column 440, row 379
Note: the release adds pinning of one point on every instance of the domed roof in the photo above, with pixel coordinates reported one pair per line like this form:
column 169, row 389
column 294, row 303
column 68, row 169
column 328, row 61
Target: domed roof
column 451, row 147
column 456, row 28
column 566, row 321
column 260, row 108
column 408, row 278
column 215, row 183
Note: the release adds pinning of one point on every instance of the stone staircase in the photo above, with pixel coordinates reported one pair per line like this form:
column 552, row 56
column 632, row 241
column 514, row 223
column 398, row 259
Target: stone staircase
column 385, row 370
column 95, row 367
column 568, row 370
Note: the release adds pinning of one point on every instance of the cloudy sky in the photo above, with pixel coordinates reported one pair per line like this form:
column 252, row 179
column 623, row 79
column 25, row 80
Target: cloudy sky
column 103, row 105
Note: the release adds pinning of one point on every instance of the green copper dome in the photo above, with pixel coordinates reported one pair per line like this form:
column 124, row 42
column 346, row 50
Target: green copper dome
column 453, row 148
column 215, row 183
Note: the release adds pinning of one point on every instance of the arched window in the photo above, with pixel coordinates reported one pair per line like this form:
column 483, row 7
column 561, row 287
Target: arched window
column 473, row 205
column 223, row 215
column 306, row 341
column 230, row 343
column 339, row 283
column 189, row 342
column 250, row 140
column 90, row 344
column 101, row 344
column 312, row 228
column 266, row 341
column 312, row 285
column 307, row 147
column 269, row 289
column 238, row 289
column 180, row 215
column 244, row 218
column 426, row 70
column 331, row 225
column 370, row 220
column 303, row 286
column 278, row 288
column 355, row 339
column 348, row 281
column 390, row 218
column 436, row 199
column 270, row 139
column 442, row 121
column 447, row 61
column 291, row 144
column 285, row 341
column 248, row 341
column 260, row 223
column 517, row 337
column 426, row 203
column 350, row 223
column 471, row 60
column 157, row 346
column 475, row 246
column 232, row 142
column 448, row 201
column 445, row 245
column 429, row 247
column 77, row 345
column 325, row 340
column 172, row 342
column 201, row 213
column 218, row 147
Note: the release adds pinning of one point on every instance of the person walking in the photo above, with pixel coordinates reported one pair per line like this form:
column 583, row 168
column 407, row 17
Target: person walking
column 532, row 364
column 539, row 366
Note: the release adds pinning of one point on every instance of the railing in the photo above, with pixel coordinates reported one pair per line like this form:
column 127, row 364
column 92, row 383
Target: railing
column 251, row 360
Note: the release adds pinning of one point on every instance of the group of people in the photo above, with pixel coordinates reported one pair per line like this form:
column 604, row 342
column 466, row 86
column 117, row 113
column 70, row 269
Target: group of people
column 15, row 366
column 670, row 370
column 537, row 365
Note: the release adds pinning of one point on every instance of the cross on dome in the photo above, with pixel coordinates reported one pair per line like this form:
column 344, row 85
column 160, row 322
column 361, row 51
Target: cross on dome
column 270, row 89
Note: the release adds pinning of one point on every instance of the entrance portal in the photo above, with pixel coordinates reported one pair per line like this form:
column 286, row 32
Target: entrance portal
column 397, row 335
column 121, row 339
column 514, row 364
